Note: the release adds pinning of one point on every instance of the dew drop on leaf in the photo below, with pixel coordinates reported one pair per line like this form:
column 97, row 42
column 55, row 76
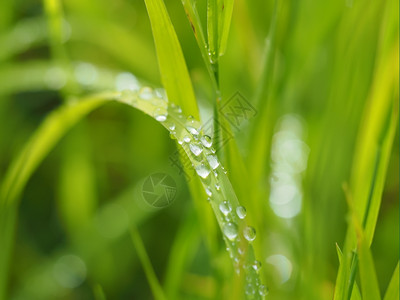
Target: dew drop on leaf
column 241, row 212
column 249, row 233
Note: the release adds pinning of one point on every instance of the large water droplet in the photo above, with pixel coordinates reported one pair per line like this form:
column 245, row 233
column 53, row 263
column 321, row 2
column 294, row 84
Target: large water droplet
column 192, row 130
column 225, row 208
column 203, row 171
column 230, row 230
column 263, row 290
column 249, row 233
column 160, row 114
column 196, row 150
column 241, row 212
column 186, row 139
column 171, row 126
column 250, row 290
column 256, row 265
column 146, row 93
column 206, row 141
column 213, row 161
column 208, row 192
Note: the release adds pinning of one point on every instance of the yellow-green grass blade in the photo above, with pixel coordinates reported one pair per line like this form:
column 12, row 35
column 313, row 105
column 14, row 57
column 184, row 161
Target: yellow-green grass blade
column 392, row 292
column 195, row 22
column 174, row 74
column 373, row 147
column 212, row 32
column 368, row 277
column 225, row 10
column 355, row 295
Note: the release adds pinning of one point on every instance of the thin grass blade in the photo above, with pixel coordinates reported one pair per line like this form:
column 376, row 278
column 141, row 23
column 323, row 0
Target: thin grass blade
column 392, row 292
column 174, row 74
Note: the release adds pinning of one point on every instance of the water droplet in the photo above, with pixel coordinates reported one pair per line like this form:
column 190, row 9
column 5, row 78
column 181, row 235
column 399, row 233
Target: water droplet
column 160, row 114
column 217, row 187
column 249, row 233
column 230, row 230
column 250, row 290
column 241, row 212
column 186, row 139
column 213, row 161
column 160, row 93
column 208, row 192
column 206, row 141
column 225, row 208
column 146, row 93
column 263, row 290
column 180, row 142
column 215, row 174
column 190, row 119
column 256, row 265
column 171, row 126
column 203, row 171
column 192, row 130
column 196, row 150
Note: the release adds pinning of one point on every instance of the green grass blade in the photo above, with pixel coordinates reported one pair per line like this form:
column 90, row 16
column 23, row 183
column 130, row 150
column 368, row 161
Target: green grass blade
column 392, row 292
column 356, row 295
column 225, row 9
column 174, row 74
column 369, row 280
column 195, row 22
column 155, row 286
column 212, row 31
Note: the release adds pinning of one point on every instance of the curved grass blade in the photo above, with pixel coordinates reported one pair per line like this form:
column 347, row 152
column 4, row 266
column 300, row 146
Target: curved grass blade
column 237, row 234
column 174, row 74
column 392, row 292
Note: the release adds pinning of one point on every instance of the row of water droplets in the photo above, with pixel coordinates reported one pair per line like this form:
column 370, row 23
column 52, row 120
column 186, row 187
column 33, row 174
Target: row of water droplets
column 198, row 147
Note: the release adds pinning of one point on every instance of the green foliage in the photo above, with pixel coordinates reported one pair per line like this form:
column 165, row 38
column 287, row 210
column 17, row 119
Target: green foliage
column 312, row 162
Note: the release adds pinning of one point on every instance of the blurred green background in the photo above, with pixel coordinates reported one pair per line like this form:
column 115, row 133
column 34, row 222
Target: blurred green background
column 331, row 60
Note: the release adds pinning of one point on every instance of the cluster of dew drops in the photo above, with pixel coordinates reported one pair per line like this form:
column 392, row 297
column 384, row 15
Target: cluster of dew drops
column 187, row 131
